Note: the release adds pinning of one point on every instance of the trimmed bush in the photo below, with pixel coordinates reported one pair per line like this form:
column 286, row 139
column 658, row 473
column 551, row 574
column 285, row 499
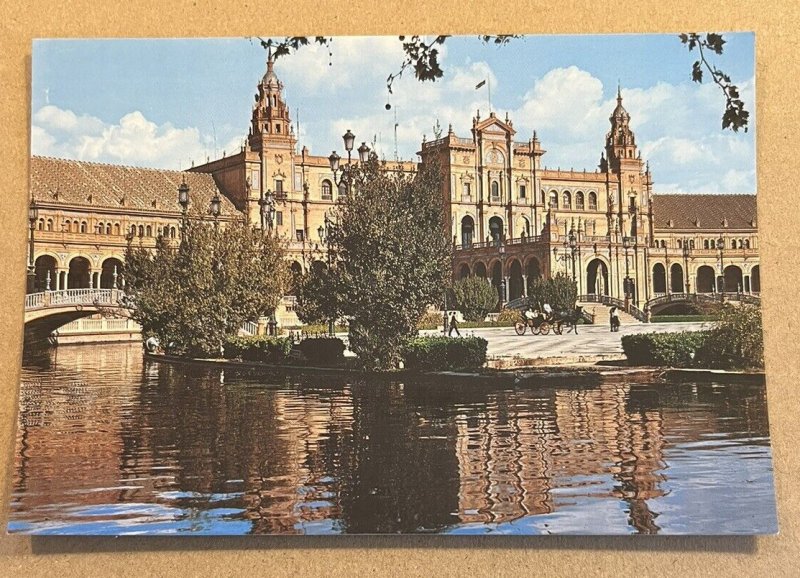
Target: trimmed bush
column 258, row 348
column 430, row 320
column 737, row 339
column 507, row 317
column 445, row 353
column 475, row 297
column 664, row 349
column 322, row 350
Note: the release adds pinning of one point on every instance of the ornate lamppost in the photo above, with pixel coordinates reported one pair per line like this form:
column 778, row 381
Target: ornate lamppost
column 33, row 216
column 721, row 247
column 501, row 249
column 325, row 237
column 346, row 176
column 215, row 207
column 626, row 283
column 573, row 247
column 183, row 201
column 686, row 262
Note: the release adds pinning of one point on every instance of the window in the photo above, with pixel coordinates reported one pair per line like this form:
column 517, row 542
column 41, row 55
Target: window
column 255, row 180
column 299, row 235
column 40, row 225
column 705, row 244
column 49, row 224
column 466, row 191
column 579, row 201
column 278, row 186
column 172, row 232
column 592, row 201
column 149, row 231
column 567, row 200
column 495, row 190
column 116, row 228
column 279, row 218
column 553, row 200
column 83, row 226
column 747, row 243
column 327, row 190
column 522, row 191
column 680, row 244
column 108, row 228
column 141, row 230
column 733, row 243
column 691, row 244
column 278, row 129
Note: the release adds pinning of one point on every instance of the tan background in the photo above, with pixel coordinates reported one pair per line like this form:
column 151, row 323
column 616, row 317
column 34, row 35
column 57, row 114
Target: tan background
column 775, row 22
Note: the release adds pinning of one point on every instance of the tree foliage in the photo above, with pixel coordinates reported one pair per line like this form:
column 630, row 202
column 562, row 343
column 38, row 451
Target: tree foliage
column 192, row 297
column 317, row 297
column 422, row 56
column 560, row 292
column 475, row 297
column 391, row 259
column 737, row 338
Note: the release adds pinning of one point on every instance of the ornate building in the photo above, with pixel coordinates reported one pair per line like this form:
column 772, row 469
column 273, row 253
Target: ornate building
column 512, row 219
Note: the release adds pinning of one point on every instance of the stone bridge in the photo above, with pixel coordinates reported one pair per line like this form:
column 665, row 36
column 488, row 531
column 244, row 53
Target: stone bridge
column 49, row 310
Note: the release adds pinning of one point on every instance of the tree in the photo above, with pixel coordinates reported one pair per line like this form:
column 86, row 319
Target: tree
column 194, row 296
column 392, row 258
column 317, row 297
column 475, row 297
column 560, row 292
column 422, row 56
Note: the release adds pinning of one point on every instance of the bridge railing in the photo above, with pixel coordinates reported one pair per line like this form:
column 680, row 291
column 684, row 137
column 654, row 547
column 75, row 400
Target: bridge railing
column 107, row 297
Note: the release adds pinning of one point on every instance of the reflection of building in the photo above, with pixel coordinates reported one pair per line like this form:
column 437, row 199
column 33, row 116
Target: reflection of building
column 500, row 194
column 603, row 225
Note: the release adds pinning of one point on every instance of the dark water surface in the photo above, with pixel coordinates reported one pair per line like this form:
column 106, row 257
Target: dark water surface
column 108, row 443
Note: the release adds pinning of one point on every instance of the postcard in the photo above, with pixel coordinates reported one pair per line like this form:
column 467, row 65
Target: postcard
column 381, row 285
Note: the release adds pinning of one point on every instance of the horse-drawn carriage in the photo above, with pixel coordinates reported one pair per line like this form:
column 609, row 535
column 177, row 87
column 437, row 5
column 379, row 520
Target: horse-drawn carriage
column 539, row 324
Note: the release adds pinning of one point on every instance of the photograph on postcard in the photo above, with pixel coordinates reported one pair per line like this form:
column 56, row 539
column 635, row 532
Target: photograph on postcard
column 416, row 284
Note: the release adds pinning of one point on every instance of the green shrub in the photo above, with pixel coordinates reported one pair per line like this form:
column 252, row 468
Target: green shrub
column 560, row 292
column 507, row 317
column 669, row 349
column 258, row 348
column 736, row 340
column 682, row 318
column 475, row 297
column 444, row 353
column 322, row 350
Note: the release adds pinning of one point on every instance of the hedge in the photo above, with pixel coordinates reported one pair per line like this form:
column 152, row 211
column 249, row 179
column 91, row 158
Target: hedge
column 664, row 349
column 439, row 353
column 322, row 350
column 258, row 348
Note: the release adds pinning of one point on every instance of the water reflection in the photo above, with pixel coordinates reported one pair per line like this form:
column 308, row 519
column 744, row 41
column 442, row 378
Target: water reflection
column 108, row 443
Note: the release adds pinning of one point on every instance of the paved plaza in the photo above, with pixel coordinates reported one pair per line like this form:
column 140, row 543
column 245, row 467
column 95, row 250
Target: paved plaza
column 591, row 340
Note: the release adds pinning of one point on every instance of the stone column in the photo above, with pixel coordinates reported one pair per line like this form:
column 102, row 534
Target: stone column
column 524, row 285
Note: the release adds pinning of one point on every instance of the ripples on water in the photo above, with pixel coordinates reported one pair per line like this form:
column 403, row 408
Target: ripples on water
column 110, row 444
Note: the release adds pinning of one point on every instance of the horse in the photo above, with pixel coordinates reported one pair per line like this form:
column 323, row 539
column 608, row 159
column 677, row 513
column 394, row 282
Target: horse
column 568, row 318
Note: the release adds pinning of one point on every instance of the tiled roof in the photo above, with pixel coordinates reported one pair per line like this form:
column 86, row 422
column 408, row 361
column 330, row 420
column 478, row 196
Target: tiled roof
column 120, row 187
column 701, row 211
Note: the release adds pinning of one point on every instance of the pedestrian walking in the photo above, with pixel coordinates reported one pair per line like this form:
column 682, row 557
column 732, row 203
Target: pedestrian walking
column 614, row 317
column 453, row 326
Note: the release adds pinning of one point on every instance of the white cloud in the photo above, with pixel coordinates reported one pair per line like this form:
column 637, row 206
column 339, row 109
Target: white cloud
column 133, row 140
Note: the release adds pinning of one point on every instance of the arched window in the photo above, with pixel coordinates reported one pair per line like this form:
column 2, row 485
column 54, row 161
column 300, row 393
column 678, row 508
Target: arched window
column 49, row 224
column 83, row 226
column 747, row 243
column 108, row 228
column 542, row 195
column 553, row 200
column 567, row 198
column 149, row 231
column 40, row 225
column 579, row 200
column 99, row 228
column 705, row 243
column 116, row 229
column 680, row 244
column 592, row 201
column 691, row 243
column 733, row 243
column 467, row 231
column 741, row 244
column 141, row 230
column 172, row 232
column 327, row 190
column 133, row 229
column 495, row 190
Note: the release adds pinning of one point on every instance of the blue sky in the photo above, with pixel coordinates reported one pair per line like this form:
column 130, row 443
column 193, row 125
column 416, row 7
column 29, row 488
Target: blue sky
column 166, row 103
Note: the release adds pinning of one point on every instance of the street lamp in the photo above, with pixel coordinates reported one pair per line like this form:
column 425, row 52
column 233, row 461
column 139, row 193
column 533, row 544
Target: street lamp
column 501, row 249
column 721, row 247
column 183, row 201
column 214, row 208
column 33, row 216
column 334, row 160
column 325, row 237
column 686, row 262
column 626, row 244
column 573, row 246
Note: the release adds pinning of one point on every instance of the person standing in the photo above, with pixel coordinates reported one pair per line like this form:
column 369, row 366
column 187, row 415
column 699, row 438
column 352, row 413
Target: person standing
column 614, row 318
column 453, row 326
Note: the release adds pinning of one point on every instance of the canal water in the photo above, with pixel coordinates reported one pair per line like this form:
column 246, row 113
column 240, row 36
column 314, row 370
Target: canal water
column 108, row 443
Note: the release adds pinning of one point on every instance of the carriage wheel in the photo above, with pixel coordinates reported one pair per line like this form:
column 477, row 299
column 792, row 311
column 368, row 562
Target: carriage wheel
column 534, row 330
column 558, row 329
column 544, row 328
column 519, row 327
